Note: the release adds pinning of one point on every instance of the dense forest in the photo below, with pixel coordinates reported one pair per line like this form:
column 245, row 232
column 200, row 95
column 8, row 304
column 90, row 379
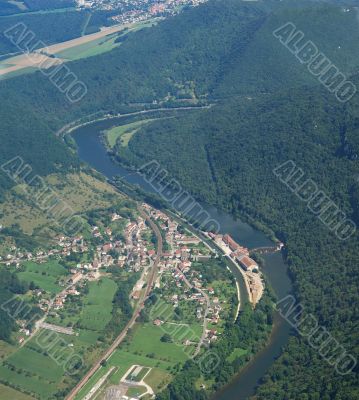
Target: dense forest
column 8, row 7
column 267, row 109
column 48, row 28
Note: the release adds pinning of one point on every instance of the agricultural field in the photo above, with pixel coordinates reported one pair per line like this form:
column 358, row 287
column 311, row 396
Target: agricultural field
column 7, row 392
column 45, row 357
column 5, row 349
column 46, row 275
column 90, row 49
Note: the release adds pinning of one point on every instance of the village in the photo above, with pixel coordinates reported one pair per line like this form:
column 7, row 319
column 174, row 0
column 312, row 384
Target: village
column 138, row 10
column 127, row 244
column 180, row 282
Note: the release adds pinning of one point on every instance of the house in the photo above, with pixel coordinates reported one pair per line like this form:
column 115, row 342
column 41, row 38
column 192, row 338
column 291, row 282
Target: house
column 230, row 242
column 107, row 247
column 115, row 217
column 136, row 294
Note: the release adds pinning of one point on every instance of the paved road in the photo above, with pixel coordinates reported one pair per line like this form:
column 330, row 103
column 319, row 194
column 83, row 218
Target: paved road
column 140, row 305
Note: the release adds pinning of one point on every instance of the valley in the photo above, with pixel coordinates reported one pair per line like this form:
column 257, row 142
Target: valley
column 148, row 230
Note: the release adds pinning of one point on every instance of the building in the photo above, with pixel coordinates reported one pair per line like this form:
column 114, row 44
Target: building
column 247, row 263
column 230, row 242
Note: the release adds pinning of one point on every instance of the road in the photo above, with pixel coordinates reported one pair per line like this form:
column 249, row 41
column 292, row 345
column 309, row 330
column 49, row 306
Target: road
column 140, row 305
column 68, row 128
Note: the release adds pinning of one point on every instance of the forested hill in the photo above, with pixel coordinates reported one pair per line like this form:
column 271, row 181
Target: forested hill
column 268, row 110
column 216, row 50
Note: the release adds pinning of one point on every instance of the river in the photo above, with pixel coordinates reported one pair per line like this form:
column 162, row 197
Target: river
column 92, row 151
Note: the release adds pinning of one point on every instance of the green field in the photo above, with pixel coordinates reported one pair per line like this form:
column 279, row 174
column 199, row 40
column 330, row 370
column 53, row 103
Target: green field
column 135, row 391
column 98, row 46
column 97, row 307
column 7, row 392
column 35, row 385
column 36, row 363
column 146, row 341
column 124, row 132
column 43, row 275
column 124, row 360
column 236, row 353
column 93, row 48
column 5, row 349
column 157, row 378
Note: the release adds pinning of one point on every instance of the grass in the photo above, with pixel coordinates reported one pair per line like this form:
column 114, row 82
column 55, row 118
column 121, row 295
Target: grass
column 98, row 46
column 157, row 379
column 236, row 353
column 44, row 357
column 43, row 275
column 35, row 385
column 146, row 341
column 124, row 360
column 5, row 349
column 81, row 192
column 124, row 132
column 144, row 347
column 41, row 365
column 136, row 391
column 97, row 309
column 180, row 332
column 7, row 392
column 94, row 48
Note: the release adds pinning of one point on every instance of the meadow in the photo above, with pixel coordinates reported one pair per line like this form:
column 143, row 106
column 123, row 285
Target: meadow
column 7, row 392
column 45, row 275
column 97, row 307
column 124, row 132
column 90, row 49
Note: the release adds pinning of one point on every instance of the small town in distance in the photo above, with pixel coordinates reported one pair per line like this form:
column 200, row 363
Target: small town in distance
column 140, row 10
